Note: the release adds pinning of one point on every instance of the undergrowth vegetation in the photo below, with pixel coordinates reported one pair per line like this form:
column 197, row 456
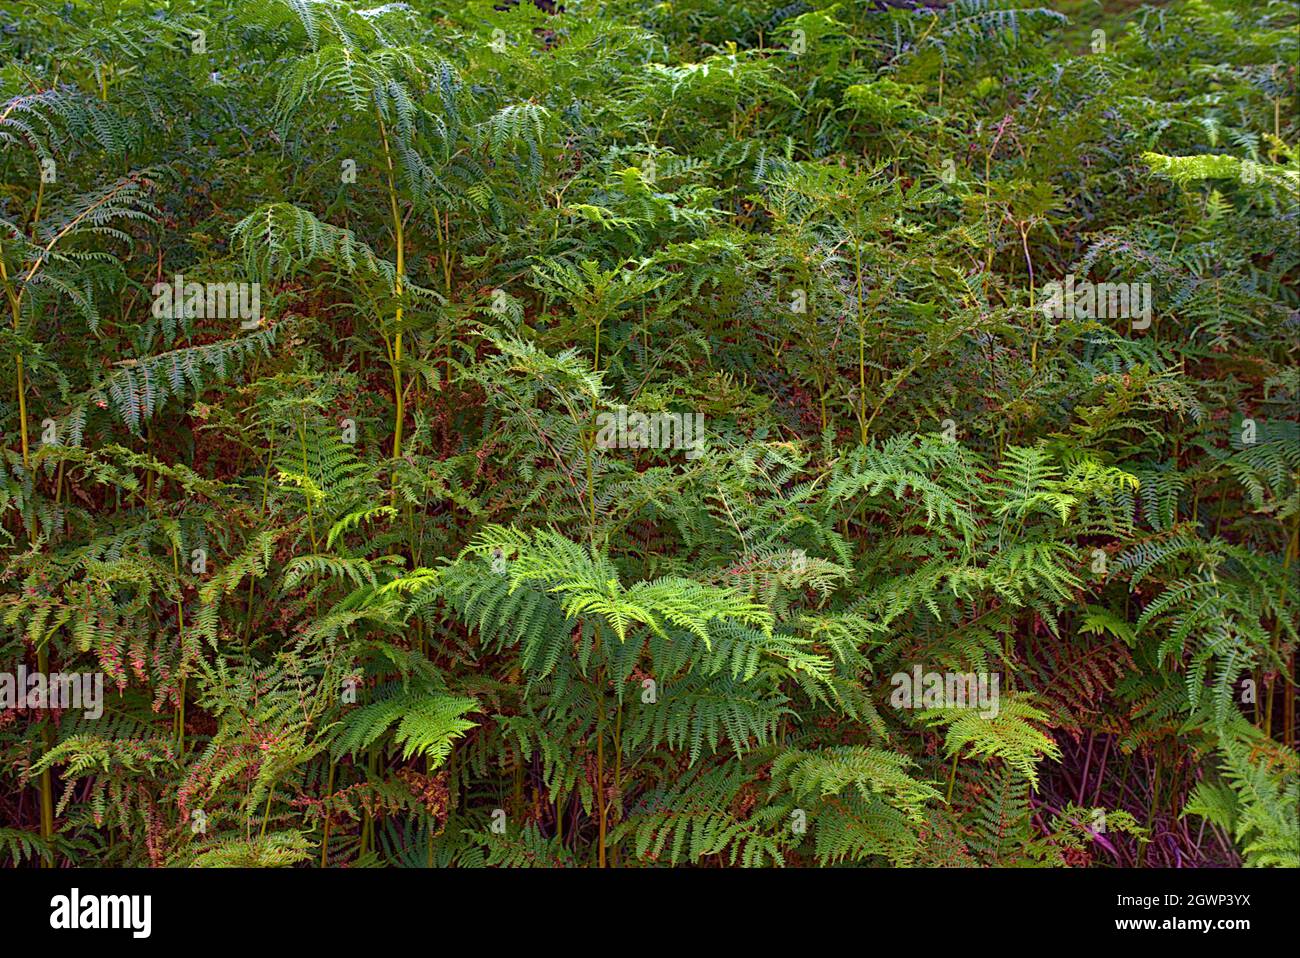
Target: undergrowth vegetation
column 464, row 436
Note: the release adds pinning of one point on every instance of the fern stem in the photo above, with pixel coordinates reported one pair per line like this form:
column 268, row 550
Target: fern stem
column 618, row 766
column 325, row 811
column 1029, row 264
column 600, row 786
column 36, row 210
column 22, row 410
column 399, row 413
column 180, row 625
column 266, row 814
column 252, row 579
column 599, row 698
column 862, row 347
column 311, row 522
column 42, row 654
column 952, row 775
column 446, row 277
column 47, row 781
column 15, row 300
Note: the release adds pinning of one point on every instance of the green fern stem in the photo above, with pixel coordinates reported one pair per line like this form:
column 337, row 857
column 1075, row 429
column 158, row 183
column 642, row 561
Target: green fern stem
column 1029, row 264
column 47, row 781
column 399, row 412
column 266, row 814
column 618, row 768
column 42, row 655
column 952, row 775
column 252, row 579
column 1285, row 675
column 15, row 301
column 444, row 236
column 599, row 698
column 862, row 349
column 325, row 811
column 311, row 522
column 180, row 625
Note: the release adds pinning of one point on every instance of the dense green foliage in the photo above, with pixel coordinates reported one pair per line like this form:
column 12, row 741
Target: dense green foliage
column 368, row 585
